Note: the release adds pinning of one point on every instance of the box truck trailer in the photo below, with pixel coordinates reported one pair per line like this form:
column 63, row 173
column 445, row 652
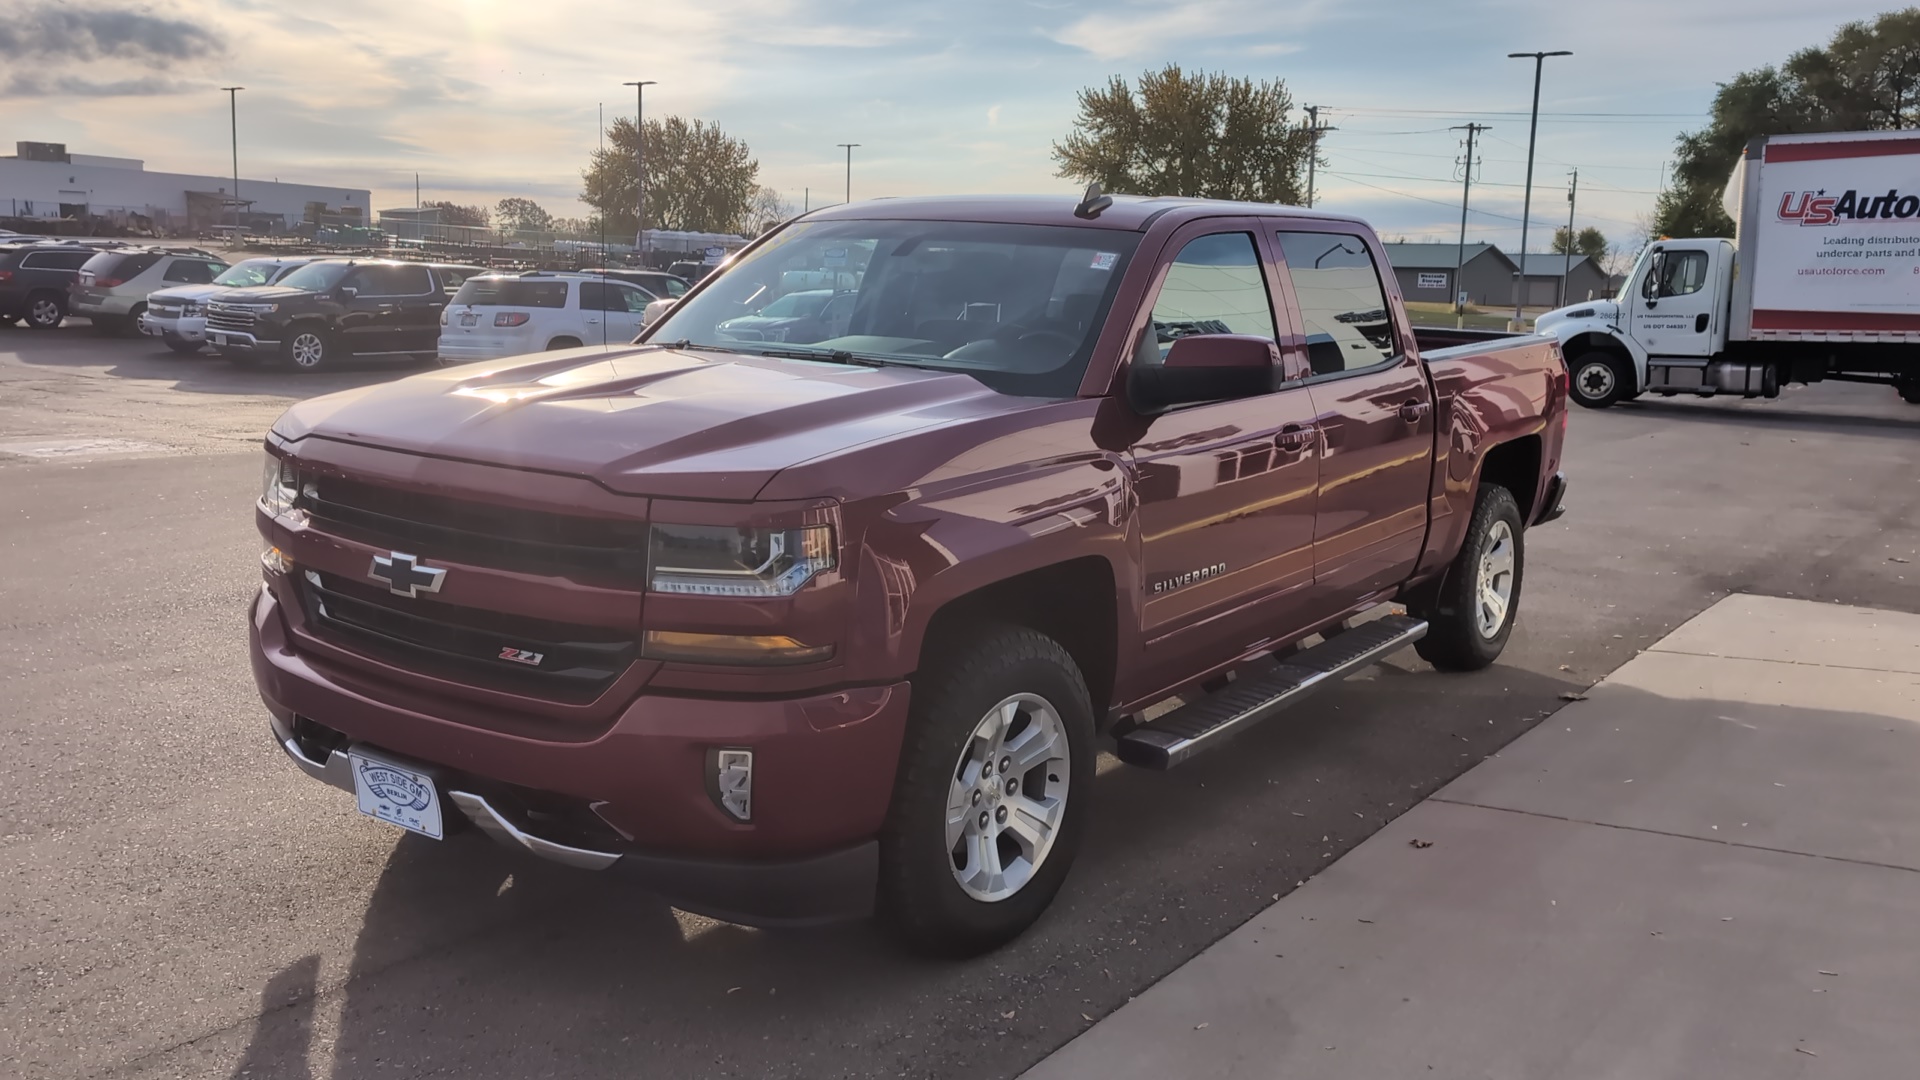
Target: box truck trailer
column 1822, row 282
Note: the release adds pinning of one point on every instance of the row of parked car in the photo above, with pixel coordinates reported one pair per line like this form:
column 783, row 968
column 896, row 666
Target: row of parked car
column 308, row 312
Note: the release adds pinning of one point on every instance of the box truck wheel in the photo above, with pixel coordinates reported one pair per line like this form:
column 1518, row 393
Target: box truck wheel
column 992, row 795
column 1600, row 379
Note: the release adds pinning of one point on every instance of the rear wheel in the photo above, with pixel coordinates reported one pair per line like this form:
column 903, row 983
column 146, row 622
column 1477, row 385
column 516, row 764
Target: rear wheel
column 46, row 310
column 989, row 805
column 1473, row 612
column 1600, row 379
column 307, row 349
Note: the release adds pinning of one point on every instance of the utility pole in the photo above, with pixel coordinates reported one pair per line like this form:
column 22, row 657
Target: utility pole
column 233, row 109
column 1526, row 203
column 849, row 146
column 1572, row 192
column 1466, row 187
column 1313, row 155
column 640, row 164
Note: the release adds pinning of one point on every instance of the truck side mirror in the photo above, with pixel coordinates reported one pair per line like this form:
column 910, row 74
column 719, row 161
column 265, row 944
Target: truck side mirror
column 1650, row 285
column 1209, row 367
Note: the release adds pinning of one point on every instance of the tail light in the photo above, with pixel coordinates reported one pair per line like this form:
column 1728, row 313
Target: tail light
column 511, row 318
column 443, row 316
column 109, row 282
column 5, row 276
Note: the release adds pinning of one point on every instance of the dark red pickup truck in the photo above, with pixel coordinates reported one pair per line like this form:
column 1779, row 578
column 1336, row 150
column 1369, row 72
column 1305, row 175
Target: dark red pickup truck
column 806, row 618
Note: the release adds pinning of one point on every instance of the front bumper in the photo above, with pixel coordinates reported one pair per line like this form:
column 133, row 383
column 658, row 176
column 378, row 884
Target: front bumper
column 461, row 351
column 239, row 341
column 183, row 327
column 823, row 780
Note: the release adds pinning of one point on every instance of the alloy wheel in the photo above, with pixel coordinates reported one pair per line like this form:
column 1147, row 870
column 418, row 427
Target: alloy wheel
column 1008, row 797
column 307, row 350
column 1493, row 585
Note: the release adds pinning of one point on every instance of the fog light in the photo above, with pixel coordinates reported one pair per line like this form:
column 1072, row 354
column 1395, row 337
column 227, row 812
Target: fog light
column 730, row 648
column 731, row 783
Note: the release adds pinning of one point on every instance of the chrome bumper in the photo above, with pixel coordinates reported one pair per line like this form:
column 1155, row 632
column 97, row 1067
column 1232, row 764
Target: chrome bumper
column 337, row 771
column 237, row 339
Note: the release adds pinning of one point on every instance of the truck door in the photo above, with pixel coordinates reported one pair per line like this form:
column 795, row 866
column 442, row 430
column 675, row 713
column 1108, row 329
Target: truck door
column 1674, row 308
column 1226, row 488
column 1373, row 409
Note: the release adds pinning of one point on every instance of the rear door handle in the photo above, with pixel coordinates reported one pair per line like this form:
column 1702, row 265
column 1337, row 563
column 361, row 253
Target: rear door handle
column 1412, row 411
column 1295, row 437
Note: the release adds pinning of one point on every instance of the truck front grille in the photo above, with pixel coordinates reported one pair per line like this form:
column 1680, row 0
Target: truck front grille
column 559, row 661
column 224, row 318
column 598, row 550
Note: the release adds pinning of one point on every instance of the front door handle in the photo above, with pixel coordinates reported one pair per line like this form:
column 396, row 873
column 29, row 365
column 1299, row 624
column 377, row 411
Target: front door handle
column 1295, row 437
column 1412, row 411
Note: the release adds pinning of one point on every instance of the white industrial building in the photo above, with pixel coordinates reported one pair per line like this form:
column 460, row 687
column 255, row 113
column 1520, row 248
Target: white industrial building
column 43, row 180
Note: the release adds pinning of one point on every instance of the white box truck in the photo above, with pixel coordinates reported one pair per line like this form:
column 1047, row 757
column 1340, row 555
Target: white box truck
column 1823, row 282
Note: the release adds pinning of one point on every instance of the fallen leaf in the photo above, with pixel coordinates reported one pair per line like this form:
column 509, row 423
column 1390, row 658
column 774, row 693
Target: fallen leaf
column 1369, row 922
column 1008, row 1015
column 1571, row 696
column 1087, row 1018
column 1804, row 1050
column 733, row 989
column 1897, row 558
column 1199, row 1026
column 1566, row 667
column 1421, row 843
column 1829, row 973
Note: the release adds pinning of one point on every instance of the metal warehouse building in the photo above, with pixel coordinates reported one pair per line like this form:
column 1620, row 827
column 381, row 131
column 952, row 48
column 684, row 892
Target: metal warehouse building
column 1426, row 273
column 43, row 180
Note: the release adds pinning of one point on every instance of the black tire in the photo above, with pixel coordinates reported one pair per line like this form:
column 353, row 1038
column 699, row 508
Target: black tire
column 130, row 325
column 1600, row 379
column 563, row 343
column 180, row 345
column 1456, row 636
column 921, row 898
column 46, row 310
column 1910, row 391
column 308, row 348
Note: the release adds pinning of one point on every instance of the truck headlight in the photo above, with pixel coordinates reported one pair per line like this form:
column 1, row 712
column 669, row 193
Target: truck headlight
column 279, row 486
column 715, row 560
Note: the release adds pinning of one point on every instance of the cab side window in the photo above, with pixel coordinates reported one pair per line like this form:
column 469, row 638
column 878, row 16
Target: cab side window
column 380, row 280
column 1343, row 308
column 1685, row 272
column 1215, row 286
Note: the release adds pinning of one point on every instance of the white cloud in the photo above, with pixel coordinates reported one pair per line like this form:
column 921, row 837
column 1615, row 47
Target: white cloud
column 1146, row 30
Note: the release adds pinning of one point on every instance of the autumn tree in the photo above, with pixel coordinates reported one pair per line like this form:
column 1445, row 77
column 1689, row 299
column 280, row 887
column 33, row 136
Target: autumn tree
column 1200, row 134
column 1589, row 241
column 699, row 178
column 522, row 215
column 452, row 213
column 1867, row 78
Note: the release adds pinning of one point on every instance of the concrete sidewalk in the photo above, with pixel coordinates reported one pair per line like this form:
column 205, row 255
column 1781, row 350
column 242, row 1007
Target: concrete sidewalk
column 1709, row 868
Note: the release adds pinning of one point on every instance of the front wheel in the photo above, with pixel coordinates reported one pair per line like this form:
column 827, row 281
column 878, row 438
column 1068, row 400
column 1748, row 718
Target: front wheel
column 307, row 349
column 1472, row 616
column 991, row 800
column 1600, row 379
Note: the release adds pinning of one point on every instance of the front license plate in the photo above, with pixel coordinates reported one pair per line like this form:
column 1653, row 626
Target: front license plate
column 469, row 320
column 396, row 795
column 218, row 339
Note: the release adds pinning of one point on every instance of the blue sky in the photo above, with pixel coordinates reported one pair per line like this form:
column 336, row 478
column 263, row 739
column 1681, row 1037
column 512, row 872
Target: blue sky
column 487, row 98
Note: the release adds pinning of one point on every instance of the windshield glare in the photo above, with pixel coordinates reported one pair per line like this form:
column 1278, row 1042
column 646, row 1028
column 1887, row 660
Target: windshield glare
column 316, row 277
column 250, row 272
column 1017, row 306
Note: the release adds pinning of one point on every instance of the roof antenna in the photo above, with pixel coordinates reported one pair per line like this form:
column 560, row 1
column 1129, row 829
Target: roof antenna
column 1092, row 202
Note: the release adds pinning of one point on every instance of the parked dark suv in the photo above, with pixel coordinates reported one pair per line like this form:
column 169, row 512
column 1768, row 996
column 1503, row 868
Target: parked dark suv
column 34, row 280
column 329, row 310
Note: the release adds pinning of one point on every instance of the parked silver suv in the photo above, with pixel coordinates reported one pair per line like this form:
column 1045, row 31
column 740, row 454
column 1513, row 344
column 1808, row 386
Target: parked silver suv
column 113, row 285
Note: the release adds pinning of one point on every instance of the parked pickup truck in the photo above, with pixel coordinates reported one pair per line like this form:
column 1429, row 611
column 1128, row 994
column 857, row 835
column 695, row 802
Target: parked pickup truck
column 801, row 632
column 336, row 308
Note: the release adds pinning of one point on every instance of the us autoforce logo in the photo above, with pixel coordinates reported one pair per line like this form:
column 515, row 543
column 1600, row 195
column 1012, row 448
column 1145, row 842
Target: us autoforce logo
column 1182, row 580
column 1820, row 208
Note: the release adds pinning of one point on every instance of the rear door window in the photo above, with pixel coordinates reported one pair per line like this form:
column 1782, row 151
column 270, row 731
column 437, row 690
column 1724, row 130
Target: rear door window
column 511, row 292
column 611, row 296
column 395, row 281
column 191, row 271
column 55, row 260
column 119, row 266
column 1343, row 308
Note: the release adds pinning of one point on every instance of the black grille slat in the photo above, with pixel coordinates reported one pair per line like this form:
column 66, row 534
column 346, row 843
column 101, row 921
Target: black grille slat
column 529, row 541
column 576, row 662
column 241, row 321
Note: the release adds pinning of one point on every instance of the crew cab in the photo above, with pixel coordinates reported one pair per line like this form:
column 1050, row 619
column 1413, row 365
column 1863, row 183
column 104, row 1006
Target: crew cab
column 800, row 632
column 335, row 308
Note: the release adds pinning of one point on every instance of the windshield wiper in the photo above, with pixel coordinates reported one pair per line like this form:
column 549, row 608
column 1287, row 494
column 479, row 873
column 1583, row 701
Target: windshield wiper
column 833, row 356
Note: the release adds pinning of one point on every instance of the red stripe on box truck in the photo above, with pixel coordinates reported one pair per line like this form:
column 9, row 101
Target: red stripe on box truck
column 1830, row 151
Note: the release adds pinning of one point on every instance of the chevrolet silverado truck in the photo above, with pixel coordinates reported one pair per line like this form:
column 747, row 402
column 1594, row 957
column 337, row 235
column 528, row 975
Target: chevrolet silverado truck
column 795, row 632
column 332, row 309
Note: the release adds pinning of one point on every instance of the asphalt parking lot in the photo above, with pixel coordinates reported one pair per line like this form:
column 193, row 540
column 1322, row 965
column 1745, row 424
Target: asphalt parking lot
column 182, row 902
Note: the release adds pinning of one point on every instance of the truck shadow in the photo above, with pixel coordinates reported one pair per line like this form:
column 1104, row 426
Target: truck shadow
column 481, row 962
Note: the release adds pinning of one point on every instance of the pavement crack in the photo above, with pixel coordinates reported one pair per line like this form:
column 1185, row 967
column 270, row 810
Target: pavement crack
column 1777, row 660
column 1677, row 835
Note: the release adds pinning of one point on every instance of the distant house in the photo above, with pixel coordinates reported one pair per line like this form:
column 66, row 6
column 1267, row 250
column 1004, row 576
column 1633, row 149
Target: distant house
column 1585, row 281
column 1426, row 273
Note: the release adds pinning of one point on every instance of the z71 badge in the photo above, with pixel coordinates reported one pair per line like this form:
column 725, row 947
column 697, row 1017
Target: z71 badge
column 522, row 656
column 1188, row 578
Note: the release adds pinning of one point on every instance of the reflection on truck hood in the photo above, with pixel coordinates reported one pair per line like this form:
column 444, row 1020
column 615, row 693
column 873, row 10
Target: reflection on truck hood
column 256, row 293
column 646, row 421
column 1604, row 311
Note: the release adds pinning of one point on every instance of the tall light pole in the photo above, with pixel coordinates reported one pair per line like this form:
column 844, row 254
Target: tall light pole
column 233, row 110
column 1526, row 211
column 640, row 163
column 849, row 146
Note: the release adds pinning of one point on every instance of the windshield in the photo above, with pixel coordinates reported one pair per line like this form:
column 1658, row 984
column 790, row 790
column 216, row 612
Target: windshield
column 1626, row 284
column 1016, row 306
column 250, row 272
column 317, row 277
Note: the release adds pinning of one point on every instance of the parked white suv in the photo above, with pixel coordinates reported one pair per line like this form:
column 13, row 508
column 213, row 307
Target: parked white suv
column 113, row 285
column 496, row 315
column 178, row 316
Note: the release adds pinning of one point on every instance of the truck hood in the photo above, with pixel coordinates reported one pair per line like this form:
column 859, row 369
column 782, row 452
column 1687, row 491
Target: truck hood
column 1593, row 311
column 180, row 293
column 256, row 293
column 646, row 420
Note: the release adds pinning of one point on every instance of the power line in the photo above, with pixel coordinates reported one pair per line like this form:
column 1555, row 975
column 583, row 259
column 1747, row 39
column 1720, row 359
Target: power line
column 1386, row 111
